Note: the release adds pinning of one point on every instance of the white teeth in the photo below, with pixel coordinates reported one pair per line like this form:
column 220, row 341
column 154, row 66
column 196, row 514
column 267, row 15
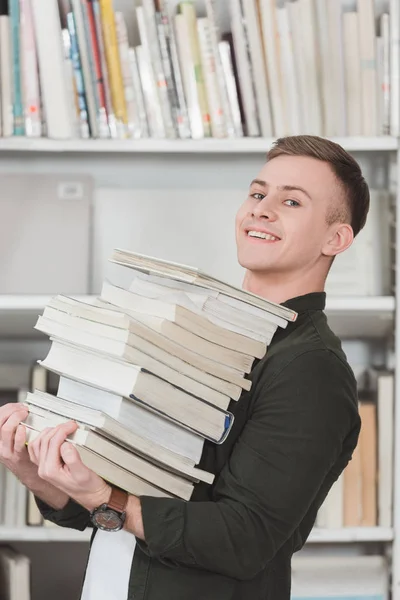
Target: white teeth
column 262, row 235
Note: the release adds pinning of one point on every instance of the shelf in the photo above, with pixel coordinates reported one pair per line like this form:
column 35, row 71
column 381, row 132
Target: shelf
column 318, row 536
column 349, row 317
column 43, row 534
column 362, row 317
column 351, row 534
column 210, row 145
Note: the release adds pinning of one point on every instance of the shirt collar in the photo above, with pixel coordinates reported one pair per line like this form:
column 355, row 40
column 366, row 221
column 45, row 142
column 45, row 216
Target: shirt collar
column 313, row 301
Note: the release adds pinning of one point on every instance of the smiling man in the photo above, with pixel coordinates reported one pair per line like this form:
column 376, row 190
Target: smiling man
column 293, row 434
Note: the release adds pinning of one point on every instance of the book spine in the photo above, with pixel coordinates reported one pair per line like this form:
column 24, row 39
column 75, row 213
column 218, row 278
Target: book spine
column 155, row 55
column 79, row 82
column 394, row 67
column 183, row 116
column 385, row 90
column 141, row 110
column 129, row 90
column 86, row 69
column 30, row 73
column 215, row 38
column 7, row 115
column 229, row 76
column 96, row 69
column 104, row 69
column 18, row 107
column 154, row 111
column 70, row 84
column 218, row 127
column 114, row 67
column 189, row 13
column 165, row 51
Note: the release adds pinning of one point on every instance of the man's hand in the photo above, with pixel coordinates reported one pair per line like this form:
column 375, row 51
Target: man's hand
column 13, row 451
column 59, row 463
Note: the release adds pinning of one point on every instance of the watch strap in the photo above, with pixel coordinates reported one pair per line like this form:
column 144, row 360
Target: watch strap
column 118, row 500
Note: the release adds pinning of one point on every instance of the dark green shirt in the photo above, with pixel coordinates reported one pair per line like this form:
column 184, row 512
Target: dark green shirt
column 293, row 434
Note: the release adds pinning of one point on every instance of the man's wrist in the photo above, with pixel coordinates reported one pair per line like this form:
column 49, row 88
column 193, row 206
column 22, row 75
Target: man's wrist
column 93, row 500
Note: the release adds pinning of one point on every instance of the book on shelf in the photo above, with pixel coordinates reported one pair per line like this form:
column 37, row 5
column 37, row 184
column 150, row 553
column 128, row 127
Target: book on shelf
column 175, row 75
column 15, row 575
column 363, row 494
column 151, row 385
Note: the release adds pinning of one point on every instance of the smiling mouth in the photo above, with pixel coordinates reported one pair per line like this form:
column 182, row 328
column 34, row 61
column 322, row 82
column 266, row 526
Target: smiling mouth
column 261, row 235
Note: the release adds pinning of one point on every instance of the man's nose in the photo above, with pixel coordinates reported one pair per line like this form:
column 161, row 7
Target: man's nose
column 265, row 209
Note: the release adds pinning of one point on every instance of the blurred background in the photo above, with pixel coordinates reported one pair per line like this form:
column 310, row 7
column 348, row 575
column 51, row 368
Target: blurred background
column 139, row 125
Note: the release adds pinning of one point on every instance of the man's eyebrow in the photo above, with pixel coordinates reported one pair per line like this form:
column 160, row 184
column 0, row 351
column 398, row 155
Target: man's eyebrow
column 281, row 188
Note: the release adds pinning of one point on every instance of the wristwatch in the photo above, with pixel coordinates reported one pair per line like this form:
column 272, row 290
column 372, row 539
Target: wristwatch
column 111, row 516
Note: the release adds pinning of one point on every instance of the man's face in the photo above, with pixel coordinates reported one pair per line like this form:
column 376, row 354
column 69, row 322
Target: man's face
column 287, row 205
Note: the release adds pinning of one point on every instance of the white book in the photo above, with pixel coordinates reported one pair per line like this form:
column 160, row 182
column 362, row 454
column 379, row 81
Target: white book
column 218, row 127
column 312, row 105
column 7, row 117
column 330, row 514
column 328, row 91
column 251, row 19
column 288, row 69
column 245, row 70
column 90, row 92
column 155, row 55
column 54, row 87
column 30, row 73
column 230, row 83
column 137, row 85
column 188, row 76
column 79, row 125
column 149, row 79
column 129, row 90
column 336, row 66
column 385, row 400
column 394, row 68
column 352, row 72
column 384, row 74
column 369, row 107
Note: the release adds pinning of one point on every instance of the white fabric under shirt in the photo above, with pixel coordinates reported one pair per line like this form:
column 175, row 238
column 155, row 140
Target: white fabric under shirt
column 109, row 566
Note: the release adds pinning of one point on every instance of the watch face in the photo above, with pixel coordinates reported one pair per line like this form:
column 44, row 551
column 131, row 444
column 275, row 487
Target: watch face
column 108, row 520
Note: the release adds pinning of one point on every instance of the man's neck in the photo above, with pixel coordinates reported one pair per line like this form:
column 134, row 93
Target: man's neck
column 278, row 288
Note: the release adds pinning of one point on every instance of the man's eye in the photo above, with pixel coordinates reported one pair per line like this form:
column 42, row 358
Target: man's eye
column 292, row 202
column 258, row 196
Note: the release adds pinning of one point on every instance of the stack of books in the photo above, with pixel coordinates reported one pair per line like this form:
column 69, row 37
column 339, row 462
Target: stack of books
column 149, row 372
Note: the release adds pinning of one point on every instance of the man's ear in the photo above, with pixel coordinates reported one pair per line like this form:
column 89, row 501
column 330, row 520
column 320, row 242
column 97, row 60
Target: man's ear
column 340, row 238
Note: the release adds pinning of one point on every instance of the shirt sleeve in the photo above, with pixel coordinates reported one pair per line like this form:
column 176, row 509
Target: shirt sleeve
column 73, row 515
column 291, row 441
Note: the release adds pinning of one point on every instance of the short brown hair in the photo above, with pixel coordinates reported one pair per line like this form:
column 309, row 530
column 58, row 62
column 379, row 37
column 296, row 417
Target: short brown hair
column 346, row 169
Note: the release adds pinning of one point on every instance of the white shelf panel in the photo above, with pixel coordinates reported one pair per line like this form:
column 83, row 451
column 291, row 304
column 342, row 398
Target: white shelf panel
column 318, row 536
column 351, row 534
column 43, row 534
column 348, row 316
column 210, row 145
column 363, row 317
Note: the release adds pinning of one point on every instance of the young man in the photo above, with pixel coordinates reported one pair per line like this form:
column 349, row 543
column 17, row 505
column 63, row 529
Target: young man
column 293, row 435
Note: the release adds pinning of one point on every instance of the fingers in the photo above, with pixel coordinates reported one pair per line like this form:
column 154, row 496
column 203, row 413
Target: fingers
column 44, row 451
column 8, row 430
column 8, row 409
column 20, row 439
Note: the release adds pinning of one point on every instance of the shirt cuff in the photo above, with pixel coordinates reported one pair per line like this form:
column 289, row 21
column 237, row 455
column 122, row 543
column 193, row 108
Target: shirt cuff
column 73, row 515
column 164, row 527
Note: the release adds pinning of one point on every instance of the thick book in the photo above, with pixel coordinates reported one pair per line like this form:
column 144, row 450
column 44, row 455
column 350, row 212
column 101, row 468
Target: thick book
column 85, row 437
column 133, row 382
column 147, row 438
column 190, row 274
column 107, row 320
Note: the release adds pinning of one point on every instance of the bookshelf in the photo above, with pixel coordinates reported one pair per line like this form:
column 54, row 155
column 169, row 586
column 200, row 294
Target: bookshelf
column 217, row 164
column 160, row 146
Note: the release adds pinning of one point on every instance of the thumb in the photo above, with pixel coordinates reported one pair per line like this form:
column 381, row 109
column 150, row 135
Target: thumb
column 70, row 455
